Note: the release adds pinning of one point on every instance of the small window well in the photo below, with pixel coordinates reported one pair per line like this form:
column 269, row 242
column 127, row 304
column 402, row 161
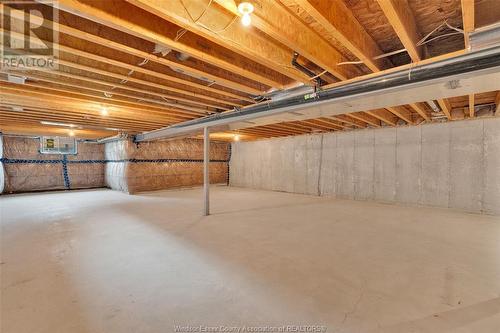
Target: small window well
column 58, row 145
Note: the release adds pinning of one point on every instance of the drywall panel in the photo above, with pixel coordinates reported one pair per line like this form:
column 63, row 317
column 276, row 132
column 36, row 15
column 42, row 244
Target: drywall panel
column 384, row 166
column 345, row 166
column 328, row 165
column 363, row 164
column 436, row 165
column 491, row 196
column 466, row 165
column 408, row 164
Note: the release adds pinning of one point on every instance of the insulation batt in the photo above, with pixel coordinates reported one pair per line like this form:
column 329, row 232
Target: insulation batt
column 26, row 177
column 146, row 173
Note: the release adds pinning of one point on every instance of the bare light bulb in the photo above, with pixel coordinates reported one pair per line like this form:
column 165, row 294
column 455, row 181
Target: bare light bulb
column 104, row 111
column 236, row 137
column 71, row 133
column 246, row 20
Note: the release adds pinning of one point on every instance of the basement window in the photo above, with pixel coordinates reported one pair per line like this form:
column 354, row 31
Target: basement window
column 58, row 145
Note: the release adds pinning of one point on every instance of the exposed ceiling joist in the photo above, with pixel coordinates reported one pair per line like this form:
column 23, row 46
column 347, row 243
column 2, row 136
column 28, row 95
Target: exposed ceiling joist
column 468, row 25
column 217, row 26
column 141, row 82
column 339, row 21
column 365, row 118
column 468, row 19
column 471, row 106
column 445, row 107
column 399, row 14
column 274, row 20
column 402, row 113
column 138, row 69
column 24, row 92
column 384, row 115
column 421, row 111
column 119, row 16
column 497, row 103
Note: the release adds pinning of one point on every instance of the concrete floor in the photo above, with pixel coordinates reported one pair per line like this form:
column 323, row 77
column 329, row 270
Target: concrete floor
column 104, row 261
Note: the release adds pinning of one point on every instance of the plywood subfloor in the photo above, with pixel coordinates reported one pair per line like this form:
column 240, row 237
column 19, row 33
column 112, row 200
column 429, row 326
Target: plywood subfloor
column 103, row 261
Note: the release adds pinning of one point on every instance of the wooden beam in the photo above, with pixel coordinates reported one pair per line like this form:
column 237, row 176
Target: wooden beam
column 138, row 69
column 335, row 123
column 341, row 23
column 81, row 114
column 348, row 120
column 468, row 23
column 399, row 14
column 156, row 59
column 365, row 118
column 401, row 113
column 120, row 16
column 122, row 47
column 287, row 127
column 44, row 102
column 37, row 117
column 144, row 82
column 314, row 126
column 329, row 124
column 421, row 111
column 497, row 102
column 131, row 89
column 384, row 115
column 216, row 26
column 108, row 101
column 77, row 88
column 55, row 95
column 445, row 107
column 338, row 20
column 471, row 106
column 276, row 21
column 31, row 129
column 468, row 19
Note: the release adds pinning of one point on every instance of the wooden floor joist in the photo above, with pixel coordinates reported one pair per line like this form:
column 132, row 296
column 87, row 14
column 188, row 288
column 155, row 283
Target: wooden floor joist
column 154, row 63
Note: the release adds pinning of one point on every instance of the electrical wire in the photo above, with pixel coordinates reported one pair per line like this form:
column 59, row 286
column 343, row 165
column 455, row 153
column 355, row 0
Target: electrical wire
column 421, row 42
column 316, row 76
column 202, row 13
column 179, row 34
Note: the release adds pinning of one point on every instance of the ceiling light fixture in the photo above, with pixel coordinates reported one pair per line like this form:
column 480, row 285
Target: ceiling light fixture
column 51, row 123
column 236, row 137
column 71, row 133
column 245, row 9
column 104, row 111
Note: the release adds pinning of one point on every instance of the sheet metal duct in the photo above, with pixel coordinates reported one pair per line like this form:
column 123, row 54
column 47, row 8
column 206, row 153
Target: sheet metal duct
column 467, row 73
column 485, row 37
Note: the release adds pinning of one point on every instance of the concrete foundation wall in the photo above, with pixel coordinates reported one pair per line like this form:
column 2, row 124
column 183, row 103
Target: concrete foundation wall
column 454, row 165
column 162, row 165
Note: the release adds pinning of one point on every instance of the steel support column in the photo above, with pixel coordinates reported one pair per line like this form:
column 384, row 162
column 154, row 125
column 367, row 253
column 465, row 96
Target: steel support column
column 206, row 170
